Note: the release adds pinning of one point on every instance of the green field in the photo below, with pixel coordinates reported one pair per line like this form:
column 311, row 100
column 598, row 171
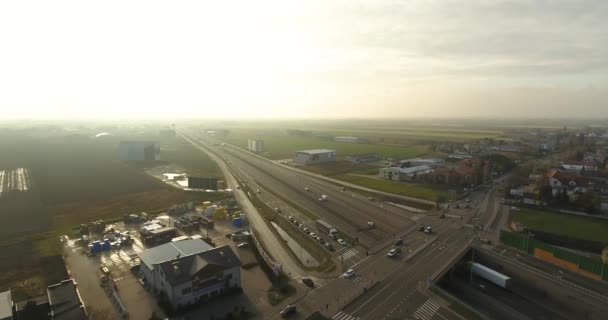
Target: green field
column 416, row 191
column 194, row 161
column 563, row 224
column 279, row 146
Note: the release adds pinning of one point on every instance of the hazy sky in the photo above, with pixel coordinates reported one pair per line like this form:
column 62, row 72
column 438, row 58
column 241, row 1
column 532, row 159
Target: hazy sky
column 377, row 58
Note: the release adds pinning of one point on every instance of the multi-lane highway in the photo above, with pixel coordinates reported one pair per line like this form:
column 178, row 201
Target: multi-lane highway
column 383, row 288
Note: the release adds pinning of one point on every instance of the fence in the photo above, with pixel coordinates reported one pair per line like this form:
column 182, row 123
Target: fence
column 589, row 266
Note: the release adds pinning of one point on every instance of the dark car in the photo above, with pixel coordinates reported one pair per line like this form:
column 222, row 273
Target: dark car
column 329, row 246
column 288, row 311
column 421, row 229
column 399, row 242
column 308, row 282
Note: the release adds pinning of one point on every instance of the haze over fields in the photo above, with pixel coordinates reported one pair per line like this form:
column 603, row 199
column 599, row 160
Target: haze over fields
column 277, row 59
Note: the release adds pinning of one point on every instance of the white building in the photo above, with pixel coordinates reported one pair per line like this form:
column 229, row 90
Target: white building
column 188, row 271
column 139, row 150
column 314, row 156
column 255, row 145
column 405, row 174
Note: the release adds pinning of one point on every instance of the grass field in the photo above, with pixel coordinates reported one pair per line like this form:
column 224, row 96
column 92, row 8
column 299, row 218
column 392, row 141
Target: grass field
column 563, row 224
column 279, row 146
column 195, row 162
column 416, row 191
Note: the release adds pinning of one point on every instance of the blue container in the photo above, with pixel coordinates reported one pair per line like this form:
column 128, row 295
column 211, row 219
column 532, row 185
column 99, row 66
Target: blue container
column 237, row 222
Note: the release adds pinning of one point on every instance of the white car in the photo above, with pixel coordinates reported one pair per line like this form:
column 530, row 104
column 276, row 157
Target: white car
column 342, row 242
column 306, row 189
column 349, row 274
column 243, row 245
column 391, row 253
column 312, row 234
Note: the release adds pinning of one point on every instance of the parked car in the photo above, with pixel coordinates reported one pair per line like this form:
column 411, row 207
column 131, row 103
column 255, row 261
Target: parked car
column 290, row 218
column 342, row 242
column 329, row 247
column 391, row 253
column 306, row 189
column 421, row 228
column 350, row 273
column 308, row 281
column 399, row 242
column 288, row 311
column 243, row 245
column 312, row 234
column 306, row 230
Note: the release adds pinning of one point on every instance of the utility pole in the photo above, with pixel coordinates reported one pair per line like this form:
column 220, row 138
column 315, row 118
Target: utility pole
column 472, row 261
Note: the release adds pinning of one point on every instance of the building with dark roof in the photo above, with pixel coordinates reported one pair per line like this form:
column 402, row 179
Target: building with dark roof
column 65, row 302
column 188, row 271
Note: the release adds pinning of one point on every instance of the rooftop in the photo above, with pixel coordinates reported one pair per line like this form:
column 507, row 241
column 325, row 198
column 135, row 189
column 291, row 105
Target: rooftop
column 6, row 305
column 185, row 268
column 65, row 301
column 170, row 251
column 316, row 151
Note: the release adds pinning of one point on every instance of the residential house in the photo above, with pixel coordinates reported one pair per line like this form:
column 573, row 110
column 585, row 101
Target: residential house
column 415, row 162
column 189, row 271
column 559, row 180
column 576, row 165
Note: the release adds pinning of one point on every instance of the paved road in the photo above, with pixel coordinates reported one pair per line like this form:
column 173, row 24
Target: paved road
column 271, row 243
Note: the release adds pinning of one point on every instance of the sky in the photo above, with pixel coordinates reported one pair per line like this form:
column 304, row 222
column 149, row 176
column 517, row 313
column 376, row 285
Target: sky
column 303, row 59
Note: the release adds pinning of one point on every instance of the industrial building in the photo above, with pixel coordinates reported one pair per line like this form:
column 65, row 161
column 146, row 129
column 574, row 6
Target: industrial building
column 65, row 302
column 415, row 162
column 363, row 158
column 189, row 271
column 255, row 145
column 405, row 174
column 139, row 150
column 349, row 139
column 314, row 156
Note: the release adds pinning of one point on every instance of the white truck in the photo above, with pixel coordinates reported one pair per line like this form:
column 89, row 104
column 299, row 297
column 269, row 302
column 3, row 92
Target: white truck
column 496, row 278
column 327, row 229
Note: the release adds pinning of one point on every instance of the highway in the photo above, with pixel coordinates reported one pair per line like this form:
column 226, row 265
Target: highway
column 384, row 288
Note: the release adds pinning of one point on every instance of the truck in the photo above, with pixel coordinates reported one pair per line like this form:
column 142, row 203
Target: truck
column 327, row 229
column 494, row 277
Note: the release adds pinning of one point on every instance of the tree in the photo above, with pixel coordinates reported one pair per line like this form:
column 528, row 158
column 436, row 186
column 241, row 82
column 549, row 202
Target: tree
column 545, row 193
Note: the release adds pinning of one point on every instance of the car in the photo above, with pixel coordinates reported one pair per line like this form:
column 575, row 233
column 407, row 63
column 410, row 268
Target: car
column 421, row 228
column 370, row 198
column 290, row 218
column 257, row 191
column 428, row 230
column 306, row 189
column 467, row 200
column 515, row 209
column 329, row 247
column 321, row 241
column 243, row 245
column 342, row 242
column 371, row 224
column 288, row 311
column 399, row 242
column 308, row 281
column 312, row 234
column 350, row 273
column 295, row 222
column 306, row 230
column 391, row 253
column 277, row 210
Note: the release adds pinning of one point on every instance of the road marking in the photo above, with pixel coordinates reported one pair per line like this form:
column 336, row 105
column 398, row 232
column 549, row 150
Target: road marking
column 349, row 254
column 427, row 310
column 344, row 316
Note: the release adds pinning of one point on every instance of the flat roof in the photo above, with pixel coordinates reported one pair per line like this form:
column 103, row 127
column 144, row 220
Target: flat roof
column 6, row 305
column 171, row 250
column 316, row 151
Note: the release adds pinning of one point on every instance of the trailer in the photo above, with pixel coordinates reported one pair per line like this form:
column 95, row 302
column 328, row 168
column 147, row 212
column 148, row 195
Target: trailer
column 327, row 228
column 496, row 278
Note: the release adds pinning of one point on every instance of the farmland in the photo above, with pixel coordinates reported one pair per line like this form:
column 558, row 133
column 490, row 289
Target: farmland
column 563, row 224
column 53, row 181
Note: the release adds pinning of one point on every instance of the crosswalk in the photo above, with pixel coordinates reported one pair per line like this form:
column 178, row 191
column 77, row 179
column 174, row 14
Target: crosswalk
column 344, row 316
column 349, row 254
column 471, row 226
column 427, row 310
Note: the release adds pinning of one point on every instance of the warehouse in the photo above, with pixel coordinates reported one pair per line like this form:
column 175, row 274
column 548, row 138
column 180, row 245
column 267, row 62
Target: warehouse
column 314, row 156
column 405, row 174
column 188, row 271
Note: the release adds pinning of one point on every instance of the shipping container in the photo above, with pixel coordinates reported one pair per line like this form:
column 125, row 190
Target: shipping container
column 496, row 278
